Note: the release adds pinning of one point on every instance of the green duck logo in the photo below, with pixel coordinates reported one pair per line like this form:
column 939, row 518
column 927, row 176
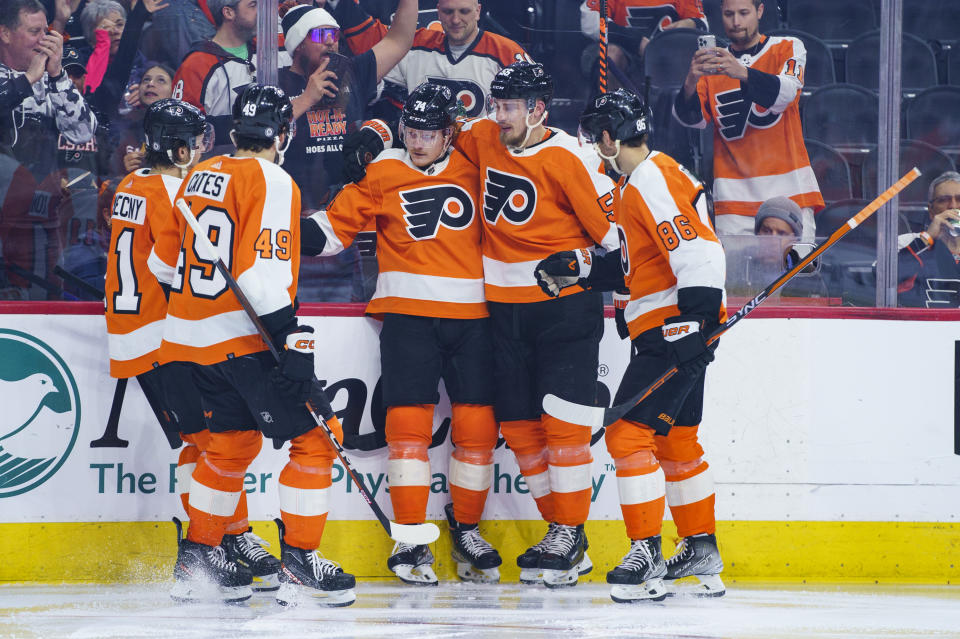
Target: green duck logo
column 39, row 412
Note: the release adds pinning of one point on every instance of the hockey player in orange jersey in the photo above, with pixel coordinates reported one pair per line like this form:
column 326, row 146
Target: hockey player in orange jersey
column 673, row 265
column 176, row 133
column 543, row 193
column 425, row 202
column 251, row 210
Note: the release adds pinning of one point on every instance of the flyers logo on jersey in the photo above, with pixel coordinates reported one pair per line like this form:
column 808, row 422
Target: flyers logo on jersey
column 426, row 210
column 512, row 195
column 468, row 92
column 734, row 114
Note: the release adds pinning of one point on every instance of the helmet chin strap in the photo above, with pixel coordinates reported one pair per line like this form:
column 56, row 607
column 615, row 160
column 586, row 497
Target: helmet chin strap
column 612, row 159
column 530, row 128
column 184, row 168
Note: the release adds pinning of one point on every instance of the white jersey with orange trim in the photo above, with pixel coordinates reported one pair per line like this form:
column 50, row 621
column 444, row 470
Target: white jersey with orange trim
column 468, row 76
column 135, row 303
column 428, row 234
column 666, row 241
column 251, row 210
column 549, row 197
column 758, row 151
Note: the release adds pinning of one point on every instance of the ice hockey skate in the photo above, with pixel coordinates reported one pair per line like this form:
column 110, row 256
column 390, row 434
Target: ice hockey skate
column 529, row 561
column 639, row 576
column 246, row 549
column 695, row 568
column 204, row 573
column 413, row 564
column 306, row 575
column 564, row 558
column 477, row 561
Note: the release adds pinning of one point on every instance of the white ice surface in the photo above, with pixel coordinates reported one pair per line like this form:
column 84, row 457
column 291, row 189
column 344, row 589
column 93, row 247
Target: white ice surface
column 460, row 610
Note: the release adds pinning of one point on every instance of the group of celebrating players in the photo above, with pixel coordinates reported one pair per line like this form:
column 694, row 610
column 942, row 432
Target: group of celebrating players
column 490, row 278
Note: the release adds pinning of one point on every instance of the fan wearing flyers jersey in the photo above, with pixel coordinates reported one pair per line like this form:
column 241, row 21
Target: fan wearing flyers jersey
column 673, row 264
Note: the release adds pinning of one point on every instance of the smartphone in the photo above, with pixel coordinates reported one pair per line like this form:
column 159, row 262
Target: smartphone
column 706, row 41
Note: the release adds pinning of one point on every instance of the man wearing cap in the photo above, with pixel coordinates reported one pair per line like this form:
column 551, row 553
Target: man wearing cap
column 330, row 92
column 779, row 216
column 213, row 73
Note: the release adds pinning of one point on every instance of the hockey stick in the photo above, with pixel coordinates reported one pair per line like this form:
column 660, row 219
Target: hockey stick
column 602, row 9
column 595, row 416
column 110, row 439
column 415, row 534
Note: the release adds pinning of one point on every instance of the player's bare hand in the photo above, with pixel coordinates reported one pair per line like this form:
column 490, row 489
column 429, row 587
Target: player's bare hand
column 322, row 83
column 940, row 221
column 51, row 45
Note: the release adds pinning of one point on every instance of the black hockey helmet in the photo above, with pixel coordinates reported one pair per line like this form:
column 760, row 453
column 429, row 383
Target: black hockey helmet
column 262, row 111
column 624, row 115
column 523, row 80
column 170, row 123
column 430, row 107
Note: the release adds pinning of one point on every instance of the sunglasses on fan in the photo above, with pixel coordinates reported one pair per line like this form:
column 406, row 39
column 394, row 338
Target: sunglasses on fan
column 324, row 35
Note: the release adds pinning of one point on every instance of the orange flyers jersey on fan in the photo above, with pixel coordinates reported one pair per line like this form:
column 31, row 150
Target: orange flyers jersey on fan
column 549, row 197
column 428, row 234
column 645, row 14
column 666, row 241
column 759, row 152
column 135, row 303
column 251, row 211
column 468, row 76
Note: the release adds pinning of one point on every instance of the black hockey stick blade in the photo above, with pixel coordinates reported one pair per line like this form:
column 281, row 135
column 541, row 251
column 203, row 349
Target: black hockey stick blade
column 406, row 533
column 596, row 416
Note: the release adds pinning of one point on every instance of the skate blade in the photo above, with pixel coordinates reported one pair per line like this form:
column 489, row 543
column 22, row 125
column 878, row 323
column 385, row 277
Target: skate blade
column 650, row 590
column 416, row 575
column 266, row 583
column 561, row 578
column 289, row 594
column 198, row 592
column 467, row 572
column 697, row 586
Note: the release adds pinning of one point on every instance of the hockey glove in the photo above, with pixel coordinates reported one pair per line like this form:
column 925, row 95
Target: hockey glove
column 687, row 343
column 293, row 376
column 620, row 299
column 362, row 146
column 562, row 270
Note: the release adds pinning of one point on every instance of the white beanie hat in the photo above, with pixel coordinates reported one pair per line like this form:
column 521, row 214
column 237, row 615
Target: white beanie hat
column 298, row 21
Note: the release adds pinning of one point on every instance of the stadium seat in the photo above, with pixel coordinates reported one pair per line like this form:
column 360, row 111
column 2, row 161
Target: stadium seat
column 953, row 65
column 819, row 70
column 844, row 116
column 930, row 160
column 669, row 136
column 932, row 20
column 833, row 21
column 667, row 58
column 931, row 117
column 918, row 62
column 832, row 171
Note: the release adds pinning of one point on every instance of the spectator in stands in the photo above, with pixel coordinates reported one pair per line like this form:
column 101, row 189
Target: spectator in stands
column 779, row 216
column 332, row 92
column 216, row 69
column 750, row 91
column 461, row 56
column 156, row 83
column 631, row 24
column 38, row 101
column 929, row 262
column 114, row 56
column 176, row 29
